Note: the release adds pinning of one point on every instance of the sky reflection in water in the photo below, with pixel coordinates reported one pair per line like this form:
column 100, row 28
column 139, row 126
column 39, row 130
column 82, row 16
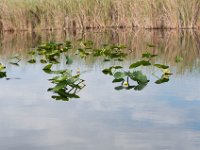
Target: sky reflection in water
column 159, row 117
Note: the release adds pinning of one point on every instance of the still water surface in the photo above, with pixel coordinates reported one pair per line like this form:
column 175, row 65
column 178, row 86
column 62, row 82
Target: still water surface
column 160, row 117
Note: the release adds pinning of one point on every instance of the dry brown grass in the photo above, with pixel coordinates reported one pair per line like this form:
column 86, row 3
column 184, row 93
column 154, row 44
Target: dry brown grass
column 62, row 14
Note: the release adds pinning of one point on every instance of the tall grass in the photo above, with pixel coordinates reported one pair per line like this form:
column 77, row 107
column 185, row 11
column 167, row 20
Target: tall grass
column 61, row 14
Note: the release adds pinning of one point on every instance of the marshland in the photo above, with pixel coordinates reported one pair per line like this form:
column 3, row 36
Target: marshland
column 84, row 14
column 99, row 74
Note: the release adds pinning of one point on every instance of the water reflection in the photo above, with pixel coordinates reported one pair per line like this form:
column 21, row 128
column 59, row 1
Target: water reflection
column 159, row 117
column 169, row 44
column 164, row 117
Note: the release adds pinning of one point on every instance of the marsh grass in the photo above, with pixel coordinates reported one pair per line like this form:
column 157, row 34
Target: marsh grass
column 73, row 14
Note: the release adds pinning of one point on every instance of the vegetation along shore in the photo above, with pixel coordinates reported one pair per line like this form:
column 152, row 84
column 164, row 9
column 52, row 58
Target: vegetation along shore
column 84, row 14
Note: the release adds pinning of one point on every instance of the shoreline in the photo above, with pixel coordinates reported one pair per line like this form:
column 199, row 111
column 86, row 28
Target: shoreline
column 99, row 28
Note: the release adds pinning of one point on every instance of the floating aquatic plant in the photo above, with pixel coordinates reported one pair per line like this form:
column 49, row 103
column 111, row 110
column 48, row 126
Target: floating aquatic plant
column 15, row 60
column 108, row 52
column 124, row 77
column 132, row 74
column 111, row 52
column 178, row 59
column 50, row 52
column 85, row 49
column 2, row 71
column 66, row 85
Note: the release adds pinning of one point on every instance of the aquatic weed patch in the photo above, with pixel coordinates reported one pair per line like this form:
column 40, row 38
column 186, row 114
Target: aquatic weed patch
column 67, row 83
column 135, row 74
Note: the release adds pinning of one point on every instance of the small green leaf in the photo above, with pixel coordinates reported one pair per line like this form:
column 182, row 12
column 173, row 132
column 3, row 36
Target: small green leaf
column 3, row 74
column 118, row 88
column 69, row 60
column 140, row 87
column 32, row 61
column 117, row 67
column 60, row 86
column 47, row 67
column 118, row 80
column 139, row 77
column 106, row 71
column 161, row 66
column 43, row 61
column 148, row 55
column 140, row 63
column 163, row 79
column 73, row 96
column 58, row 98
column 32, row 52
column 120, row 59
column 178, row 59
column 119, row 75
column 106, row 59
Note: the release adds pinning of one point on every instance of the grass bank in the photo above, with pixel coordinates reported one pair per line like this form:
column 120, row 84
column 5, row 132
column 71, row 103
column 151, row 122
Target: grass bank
column 63, row 14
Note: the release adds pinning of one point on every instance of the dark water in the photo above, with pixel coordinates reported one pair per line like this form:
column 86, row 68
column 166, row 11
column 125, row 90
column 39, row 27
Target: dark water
column 160, row 117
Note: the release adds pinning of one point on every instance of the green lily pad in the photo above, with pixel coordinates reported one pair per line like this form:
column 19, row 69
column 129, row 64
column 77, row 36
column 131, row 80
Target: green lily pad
column 139, row 77
column 148, row 55
column 32, row 61
column 140, row 63
column 161, row 66
column 118, row 80
column 119, row 75
column 178, row 59
column 48, row 67
column 69, row 60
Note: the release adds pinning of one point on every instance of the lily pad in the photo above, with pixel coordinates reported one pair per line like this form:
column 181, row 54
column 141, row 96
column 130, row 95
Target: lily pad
column 119, row 75
column 69, row 60
column 47, row 67
column 161, row 66
column 140, row 63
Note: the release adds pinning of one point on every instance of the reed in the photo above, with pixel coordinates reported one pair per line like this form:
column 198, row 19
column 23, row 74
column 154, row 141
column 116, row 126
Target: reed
column 73, row 14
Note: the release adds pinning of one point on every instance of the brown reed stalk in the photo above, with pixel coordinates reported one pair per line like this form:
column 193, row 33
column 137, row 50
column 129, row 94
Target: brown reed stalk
column 84, row 14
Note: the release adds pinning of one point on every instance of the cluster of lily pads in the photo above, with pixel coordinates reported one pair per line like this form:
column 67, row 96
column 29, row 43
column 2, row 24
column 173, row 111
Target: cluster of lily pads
column 108, row 52
column 50, row 52
column 67, row 83
column 136, row 75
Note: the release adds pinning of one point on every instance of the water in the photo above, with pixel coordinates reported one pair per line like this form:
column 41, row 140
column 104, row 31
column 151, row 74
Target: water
column 160, row 117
